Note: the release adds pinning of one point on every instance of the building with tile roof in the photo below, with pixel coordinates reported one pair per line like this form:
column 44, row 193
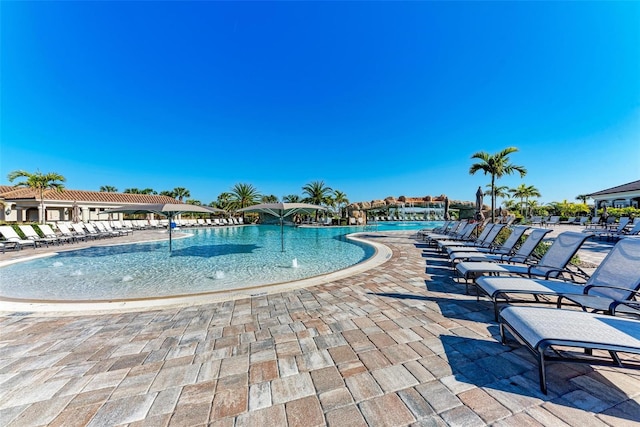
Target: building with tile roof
column 621, row 196
column 20, row 204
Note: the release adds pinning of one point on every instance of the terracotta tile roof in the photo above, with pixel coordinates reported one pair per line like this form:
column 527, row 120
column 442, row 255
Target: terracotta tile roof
column 17, row 193
column 631, row 186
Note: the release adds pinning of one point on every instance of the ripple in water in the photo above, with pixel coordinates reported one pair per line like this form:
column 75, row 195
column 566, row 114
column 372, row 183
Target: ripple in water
column 219, row 275
column 57, row 264
column 76, row 273
column 127, row 278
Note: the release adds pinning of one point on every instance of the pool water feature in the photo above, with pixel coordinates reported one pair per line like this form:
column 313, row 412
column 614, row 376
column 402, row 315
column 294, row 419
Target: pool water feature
column 213, row 259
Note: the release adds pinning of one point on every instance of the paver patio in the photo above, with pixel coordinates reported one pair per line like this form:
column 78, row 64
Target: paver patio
column 397, row 345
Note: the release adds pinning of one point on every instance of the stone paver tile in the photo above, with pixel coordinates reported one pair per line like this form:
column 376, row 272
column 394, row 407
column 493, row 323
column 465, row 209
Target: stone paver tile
column 416, row 403
column 263, row 371
column 351, row 368
column 154, row 421
column 233, row 381
column 461, row 416
column 175, row 376
column 382, row 340
column 373, row 359
column 133, row 385
column 292, row 388
column 271, row 416
column 342, row 354
column 316, row 359
column 400, row 353
column 42, row 412
column 421, row 373
column 403, row 336
column 484, row 405
column 305, row 412
column 623, row 415
column 436, row 365
column 287, row 366
column 165, row 401
column 335, row 398
column 326, row 379
column 191, row 414
column 259, row 396
column 457, row 383
column 394, row 378
column 32, row 394
column 599, row 390
column 585, row 401
column 324, row 342
column 290, row 348
column 346, row 416
column 439, row 397
column 387, row 410
column 209, row 370
column 229, row 402
column 106, row 379
column 521, row 419
column 363, row 386
column 509, row 394
column 234, row 365
column 79, row 416
column 545, row 417
column 123, row 411
column 194, row 394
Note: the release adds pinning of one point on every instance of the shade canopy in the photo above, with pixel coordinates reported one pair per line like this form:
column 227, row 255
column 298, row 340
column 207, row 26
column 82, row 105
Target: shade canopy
column 479, row 198
column 166, row 209
column 282, row 210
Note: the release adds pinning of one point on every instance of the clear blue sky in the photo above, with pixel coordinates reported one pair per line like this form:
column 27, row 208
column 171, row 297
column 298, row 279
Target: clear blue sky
column 375, row 99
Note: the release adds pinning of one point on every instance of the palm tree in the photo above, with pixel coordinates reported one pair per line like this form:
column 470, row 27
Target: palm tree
column 181, row 193
column 168, row 193
column 524, row 193
column 497, row 165
column 501, row 191
column 291, row 198
column 269, row 199
column 39, row 182
column 108, row 189
column 317, row 193
column 340, row 199
column 224, row 201
column 148, row 191
column 244, row 195
column 132, row 191
column 583, row 198
column 194, row 202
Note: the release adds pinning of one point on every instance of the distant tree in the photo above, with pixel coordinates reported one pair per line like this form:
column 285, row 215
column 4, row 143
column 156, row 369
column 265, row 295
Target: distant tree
column 194, row 202
column 317, row 193
column 181, row 193
column 108, row 189
column 269, row 199
column 524, row 193
column 168, row 193
column 341, row 199
column 291, row 198
column 501, row 191
column 583, row 198
column 39, row 182
column 497, row 165
column 224, row 201
column 132, row 191
column 244, row 195
column 148, row 191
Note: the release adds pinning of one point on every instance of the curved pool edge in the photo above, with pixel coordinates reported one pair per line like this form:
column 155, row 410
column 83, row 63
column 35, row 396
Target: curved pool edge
column 8, row 306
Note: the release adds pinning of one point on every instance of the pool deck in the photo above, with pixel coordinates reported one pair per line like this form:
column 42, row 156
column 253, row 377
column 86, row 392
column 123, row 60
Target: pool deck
column 399, row 344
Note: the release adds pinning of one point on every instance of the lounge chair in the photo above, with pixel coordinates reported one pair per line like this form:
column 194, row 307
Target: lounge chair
column 12, row 237
column 66, row 231
column 522, row 254
column 616, row 279
column 606, row 231
column 484, row 240
column 48, row 232
column 544, row 330
column 551, row 265
column 507, row 247
column 553, row 220
column 31, row 234
column 81, row 232
column 460, row 234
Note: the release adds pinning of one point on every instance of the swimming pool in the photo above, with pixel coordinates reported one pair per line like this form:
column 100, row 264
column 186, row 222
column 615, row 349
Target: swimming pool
column 213, row 259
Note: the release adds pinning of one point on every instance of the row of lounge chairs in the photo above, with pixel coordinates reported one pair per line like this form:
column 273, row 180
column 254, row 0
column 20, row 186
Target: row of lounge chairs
column 606, row 324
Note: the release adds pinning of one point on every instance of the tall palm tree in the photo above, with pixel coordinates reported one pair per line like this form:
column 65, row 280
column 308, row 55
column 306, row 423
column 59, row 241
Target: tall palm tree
column 244, row 195
column 108, row 189
column 524, row 193
column 317, row 193
column 181, row 193
column 291, row 198
column 39, row 182
column 340, row 199
column 132, row 191
column 224, row 201
column 497, row 165
column 148, row 191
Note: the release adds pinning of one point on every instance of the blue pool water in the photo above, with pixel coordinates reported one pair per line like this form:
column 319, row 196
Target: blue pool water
column 213, row 259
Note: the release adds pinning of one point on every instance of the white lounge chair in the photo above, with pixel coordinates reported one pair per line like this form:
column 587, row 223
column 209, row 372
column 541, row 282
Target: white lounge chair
column 31, row 234
column 12, row 237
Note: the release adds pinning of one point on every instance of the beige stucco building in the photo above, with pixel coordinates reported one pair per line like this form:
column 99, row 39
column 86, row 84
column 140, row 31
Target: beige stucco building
column 621, row 196
column 21, row 204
